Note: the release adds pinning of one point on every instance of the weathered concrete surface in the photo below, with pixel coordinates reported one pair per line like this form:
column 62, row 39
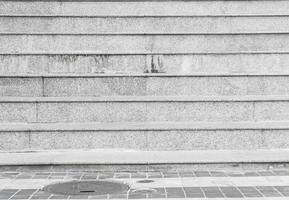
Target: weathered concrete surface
column 171, row 86
column 144, row 24
column 142, row 44
column 146, row 136
column 143, row 157
column 17, row 112
column 144, row 86
column 178, row 64
column 146, row 140
column 21, row 87
column 67, row 110
column 140, row 8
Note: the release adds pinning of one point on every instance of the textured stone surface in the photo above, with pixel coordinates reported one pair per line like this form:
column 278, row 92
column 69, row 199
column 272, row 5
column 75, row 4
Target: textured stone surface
column 14, row 140
column 147, row 140
column 272, row 111
column 200, row 111
column 184, row 64
column 144, row 111
column 102, row 86
column 145, row 24
column 97, row 112
column 21, row 87
column 276, row 139
column 145, row 86
column 17, row 112
column 88, row 140
column 141, row 111
column 161, row 8
column 204, row 140
column 142, row 44
column 208, row 86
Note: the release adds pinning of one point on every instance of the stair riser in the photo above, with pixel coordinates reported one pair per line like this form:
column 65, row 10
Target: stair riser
column 134, row 44
column 144, row 25
column 140, row 8
column 147, row 140
column 143, row 111
column 185, row 64
column 145, row 86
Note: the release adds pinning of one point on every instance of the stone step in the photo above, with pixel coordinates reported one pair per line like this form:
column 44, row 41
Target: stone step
column 116, row 156
column 141, row 8
column 143, row 44
column 89, row 63
column 144, row 85
column 118, row 25
column 149, row 108
column 152, row 136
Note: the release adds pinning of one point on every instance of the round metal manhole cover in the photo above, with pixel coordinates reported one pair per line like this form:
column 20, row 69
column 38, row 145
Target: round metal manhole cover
column 87, row 188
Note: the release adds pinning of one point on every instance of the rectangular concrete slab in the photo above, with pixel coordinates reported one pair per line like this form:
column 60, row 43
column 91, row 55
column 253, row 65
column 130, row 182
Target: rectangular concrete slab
column 18, row 112
column 89, row 140
column 14, row 140
column 21, row 86
column 126, row 64
column 142, row 44
column 98, row 86
column 200, row 111
column 142, row 157
column 133, row 112
column 144, row 85
column 134, row 109
column 140, row 8
column 145, row 136
column 144, row 24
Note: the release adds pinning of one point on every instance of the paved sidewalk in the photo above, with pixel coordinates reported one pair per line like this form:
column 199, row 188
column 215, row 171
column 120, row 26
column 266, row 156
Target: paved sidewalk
column 19, row 183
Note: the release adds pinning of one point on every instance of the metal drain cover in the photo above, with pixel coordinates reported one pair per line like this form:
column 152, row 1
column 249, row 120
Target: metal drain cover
column 87, row 188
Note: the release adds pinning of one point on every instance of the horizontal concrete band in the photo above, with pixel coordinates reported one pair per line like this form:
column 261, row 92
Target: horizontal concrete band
column 132, row 109
column 249, row 98
column 123, row 44
column 144, row 75
column 97, row 85
column 35, row 33
column 95, row 53
column 145, row 126
column 142, row 157
column 132, row 138
column 99, row 64
column 140, row 8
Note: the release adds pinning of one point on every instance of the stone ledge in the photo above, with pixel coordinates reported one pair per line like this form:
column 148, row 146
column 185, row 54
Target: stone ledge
column 123, row 75
column 120, row 156
column 244, row 98
column 145, row 126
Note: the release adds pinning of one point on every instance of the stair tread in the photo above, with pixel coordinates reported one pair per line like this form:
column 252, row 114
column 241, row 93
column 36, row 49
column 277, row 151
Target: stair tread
column 121, row 156
column 96, row 75
column 244, row 98
column 169, row 125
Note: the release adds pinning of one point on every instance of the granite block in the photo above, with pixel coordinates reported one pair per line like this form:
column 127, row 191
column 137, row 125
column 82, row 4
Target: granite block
column 91, row 112
column 100, row 86
column 179, row 64
column 145, row 25
column 89, row 140
column 144, row 8
column 200, row 111
column 14, row 141
column 20, row 87
column 205, row 140
column 72, row 112
column 143, row 44
column 17, row 112
column 268, row 111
